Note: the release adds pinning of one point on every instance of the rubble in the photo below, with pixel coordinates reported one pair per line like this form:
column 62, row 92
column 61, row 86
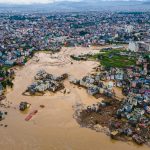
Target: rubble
column 100, row 113
column 105, row 114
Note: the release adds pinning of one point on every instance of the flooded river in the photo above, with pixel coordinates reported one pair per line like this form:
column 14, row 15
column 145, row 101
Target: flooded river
column 53, row 127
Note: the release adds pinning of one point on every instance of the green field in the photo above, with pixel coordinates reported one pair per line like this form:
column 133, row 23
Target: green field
column 113, row 58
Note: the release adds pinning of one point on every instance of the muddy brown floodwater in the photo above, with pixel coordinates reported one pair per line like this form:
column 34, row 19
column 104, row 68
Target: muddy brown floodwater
column 53, row 127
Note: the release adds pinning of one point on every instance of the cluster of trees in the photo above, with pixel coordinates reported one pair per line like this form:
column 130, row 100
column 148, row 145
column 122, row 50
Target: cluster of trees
column 6, row 78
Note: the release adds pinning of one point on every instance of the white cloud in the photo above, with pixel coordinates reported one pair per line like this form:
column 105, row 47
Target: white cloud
column 31, row 1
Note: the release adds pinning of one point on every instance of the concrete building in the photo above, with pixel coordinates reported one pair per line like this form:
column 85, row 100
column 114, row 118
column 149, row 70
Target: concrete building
column 139, row 46
column 133, row 46
column 129, row 28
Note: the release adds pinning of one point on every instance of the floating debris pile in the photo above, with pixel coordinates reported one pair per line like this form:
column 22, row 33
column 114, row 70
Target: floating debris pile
column 46, row 82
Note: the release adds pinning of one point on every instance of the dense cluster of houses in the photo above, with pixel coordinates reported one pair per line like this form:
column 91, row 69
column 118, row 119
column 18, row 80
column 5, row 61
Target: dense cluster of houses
column 21, row 34
column 134, row 109
column 94, row 85
column 46, row 82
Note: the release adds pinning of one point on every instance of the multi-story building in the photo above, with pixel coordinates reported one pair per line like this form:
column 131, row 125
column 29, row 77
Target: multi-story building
column 139, row 46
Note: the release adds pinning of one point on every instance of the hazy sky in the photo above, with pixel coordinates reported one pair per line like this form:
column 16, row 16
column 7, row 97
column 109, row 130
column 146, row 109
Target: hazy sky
column 50, row 1
column 31, row 1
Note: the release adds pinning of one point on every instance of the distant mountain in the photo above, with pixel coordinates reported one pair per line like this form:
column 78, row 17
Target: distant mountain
column 84, row 5
column 147, row 3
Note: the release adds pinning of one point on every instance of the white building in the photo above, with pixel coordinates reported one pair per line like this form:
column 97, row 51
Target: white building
column 133, row 46
column 129, row 28
column 139, row 46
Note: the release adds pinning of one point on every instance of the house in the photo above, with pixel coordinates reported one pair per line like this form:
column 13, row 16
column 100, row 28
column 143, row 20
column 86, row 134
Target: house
column 93, row 90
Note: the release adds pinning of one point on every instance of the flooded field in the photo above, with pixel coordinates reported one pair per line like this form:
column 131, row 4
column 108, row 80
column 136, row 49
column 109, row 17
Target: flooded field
column 53, row 127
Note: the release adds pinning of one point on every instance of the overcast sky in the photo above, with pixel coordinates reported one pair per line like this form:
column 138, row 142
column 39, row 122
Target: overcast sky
column 31, row 1
column 49, row 1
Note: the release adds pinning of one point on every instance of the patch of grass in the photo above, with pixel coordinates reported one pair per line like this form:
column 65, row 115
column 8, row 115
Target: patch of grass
column 113, row 58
